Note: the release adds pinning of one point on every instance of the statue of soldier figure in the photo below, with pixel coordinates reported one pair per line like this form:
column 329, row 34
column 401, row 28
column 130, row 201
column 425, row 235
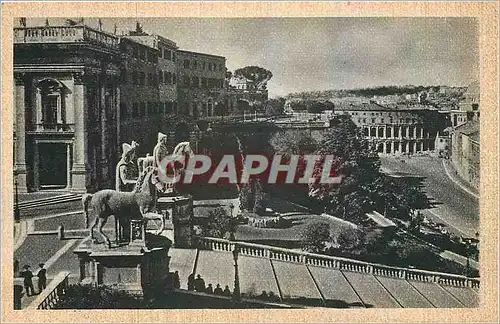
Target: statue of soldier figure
column 126, row 169
column 160, row 151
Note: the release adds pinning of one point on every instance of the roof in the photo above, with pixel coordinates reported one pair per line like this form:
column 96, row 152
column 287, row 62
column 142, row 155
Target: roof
column 380, row 220
column 197, row 53
column 361, row 106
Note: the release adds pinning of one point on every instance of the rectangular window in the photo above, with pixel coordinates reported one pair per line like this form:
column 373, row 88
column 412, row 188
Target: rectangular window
column 123, row 111
column 195, row 65
column 373, row 120
column 174, row 78
column 135, row 110
column 204, row 65
column 195, row 81
column 149, row 108
column 161, row 76
column 186, row 64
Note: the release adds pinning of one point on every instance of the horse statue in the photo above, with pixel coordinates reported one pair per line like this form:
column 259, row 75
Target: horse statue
column 124, row 206
column 182, row 152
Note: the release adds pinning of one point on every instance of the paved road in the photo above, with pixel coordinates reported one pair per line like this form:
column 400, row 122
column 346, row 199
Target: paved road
column 455, row 207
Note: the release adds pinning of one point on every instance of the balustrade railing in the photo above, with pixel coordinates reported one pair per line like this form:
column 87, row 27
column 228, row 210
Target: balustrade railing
column 51, row 295
column 287, row 255
column 63, row 34
column 58, row 127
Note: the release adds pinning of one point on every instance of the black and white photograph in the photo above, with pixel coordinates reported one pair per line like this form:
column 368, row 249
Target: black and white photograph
column 246, row 163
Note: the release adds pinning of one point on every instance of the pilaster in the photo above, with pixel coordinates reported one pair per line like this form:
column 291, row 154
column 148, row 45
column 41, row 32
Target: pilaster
column 20, row 122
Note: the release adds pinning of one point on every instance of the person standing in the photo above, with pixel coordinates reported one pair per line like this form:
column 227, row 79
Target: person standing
column 28, row 280
column 218, row 290
column 42, row 278
column 226, row 291
column 177, row 280
column 199, row 284
column 191, row 282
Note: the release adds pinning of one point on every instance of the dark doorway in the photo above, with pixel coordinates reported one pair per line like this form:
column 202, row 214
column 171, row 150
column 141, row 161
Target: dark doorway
column 52, row 167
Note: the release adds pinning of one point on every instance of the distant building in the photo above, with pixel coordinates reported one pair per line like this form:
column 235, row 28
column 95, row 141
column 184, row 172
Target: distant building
column 408, row 130
column 466, row 152
column 468, row 107
column 443, row 143
column 200, row 84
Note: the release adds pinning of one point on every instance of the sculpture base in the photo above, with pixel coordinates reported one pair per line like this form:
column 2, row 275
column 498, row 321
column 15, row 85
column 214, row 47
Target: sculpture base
column 133, row 268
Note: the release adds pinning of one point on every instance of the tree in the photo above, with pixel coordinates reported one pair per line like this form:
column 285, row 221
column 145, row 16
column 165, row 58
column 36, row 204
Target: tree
column 259, row 76
column 351, row 239
column 317, row 107
column 275, row 107
column 218, row 223
column 292, row 142
column 260, row 197
column 246, row 197
column 315, row 236
column 357, row 165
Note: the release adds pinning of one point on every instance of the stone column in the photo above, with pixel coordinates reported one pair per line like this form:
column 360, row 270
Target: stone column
column 20, row 121
column 118, row 115
column 38, row 108
column 414, row 146
column 104, row 118
column 80, row 170
column 68, row 166
column 36, row 179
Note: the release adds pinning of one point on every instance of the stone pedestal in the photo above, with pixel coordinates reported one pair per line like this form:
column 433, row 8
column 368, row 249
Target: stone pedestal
column 79, row 178
column 178, row 214
column 140, row 267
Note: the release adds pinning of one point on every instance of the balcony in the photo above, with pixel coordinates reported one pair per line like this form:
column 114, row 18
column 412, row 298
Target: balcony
column 54, row 128
column 64, row 34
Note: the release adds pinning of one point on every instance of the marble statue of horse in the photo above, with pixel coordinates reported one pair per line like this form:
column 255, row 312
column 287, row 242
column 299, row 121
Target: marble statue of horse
column 124, row 206
column 181, row 152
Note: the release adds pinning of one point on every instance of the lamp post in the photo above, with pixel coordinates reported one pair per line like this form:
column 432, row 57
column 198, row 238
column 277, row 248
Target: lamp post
column 232, row 225
column 17, row 214
column 236, row 292
column 469, row 244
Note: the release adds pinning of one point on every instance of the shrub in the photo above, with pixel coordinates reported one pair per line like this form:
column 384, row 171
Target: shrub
column 315, row 236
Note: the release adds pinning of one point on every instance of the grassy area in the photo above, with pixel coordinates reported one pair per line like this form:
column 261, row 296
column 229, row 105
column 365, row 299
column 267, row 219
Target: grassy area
column 288, row 237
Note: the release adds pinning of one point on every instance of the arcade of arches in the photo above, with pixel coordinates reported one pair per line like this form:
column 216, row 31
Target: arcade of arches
column 395, row 139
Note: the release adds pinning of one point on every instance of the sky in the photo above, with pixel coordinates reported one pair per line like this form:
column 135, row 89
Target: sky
column 306, row 54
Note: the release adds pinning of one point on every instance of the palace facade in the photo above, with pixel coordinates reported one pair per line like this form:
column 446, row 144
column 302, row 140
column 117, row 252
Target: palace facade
column 80, row 92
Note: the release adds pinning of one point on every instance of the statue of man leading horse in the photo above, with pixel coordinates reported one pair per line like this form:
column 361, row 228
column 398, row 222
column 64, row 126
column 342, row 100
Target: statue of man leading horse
column 140, row 203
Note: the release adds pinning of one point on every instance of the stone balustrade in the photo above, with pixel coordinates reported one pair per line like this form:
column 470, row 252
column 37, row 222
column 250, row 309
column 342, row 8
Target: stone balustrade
column 51, row 295
column 287, row 255
column 63, row 34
